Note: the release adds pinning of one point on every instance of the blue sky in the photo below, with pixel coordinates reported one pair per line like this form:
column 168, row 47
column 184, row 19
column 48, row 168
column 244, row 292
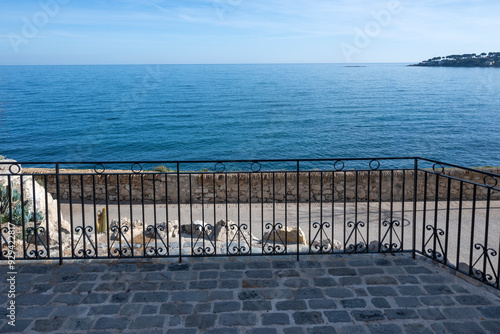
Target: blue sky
column 243, row 31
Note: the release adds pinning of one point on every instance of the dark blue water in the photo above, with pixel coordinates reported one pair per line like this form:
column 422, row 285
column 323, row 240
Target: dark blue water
column 170, row 112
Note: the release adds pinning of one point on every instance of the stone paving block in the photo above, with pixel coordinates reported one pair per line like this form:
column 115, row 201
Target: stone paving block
column 417, row 329
column 294, row 330
column 490, row 311
column 111, row 287
column 460, row 312
column 338, row 316
column 123, row 267
column 104, row 309
column 308, row 293
column 249, row 295
column 353, row 329
column 47, row 325
column 259, row 283
column 472, row 300
column 222, row 331
column 322, row 304
column 262, row 331
column 221, row 295
column 335, row 263
column 321, row 330
column 291, row 305
column 394, row 270
column 62, row 288
column 342, row 272
column 324, row 282
column 385, row 329
column 360, row 263
column 437, row 300
column 353, row 303
column 230, row 306
column 370, row 271
column 491, row 326
column 417, row 270
column 111, row 323
column 172, row 286
column 368, row 315
column 438, row 290
column 178, row 266
column 78, row 324
column 411, row 290
column 463, row 327
column 232, row 274
column 155, row 297
column 360, row 292
column 339, row 292
column 142, row 286
column 185, row 275
column 308, row 318
column 257, row 305
column 229, row 284
column 200, row 320
column 459, row 288
column 187, row 296
column 150, row 309
column 85, row 287
column 21, row 325
column 380, row 302
column 381, row 291
column 296, row 282
column 259, row 273
column 148, row 321
column 276, row 293
column 407, row 279
column 287, row 273
column 346, row 281
column 36, row 312
column 380, row 280
column 431, row 314
column 436, row 278
column 212, row 284
column 176, row 308
column 122, row 297
column 383, row 262
column 209, row 274
column 41, row 288
column 309, row 264
column 182, row 331
column 95, row 298
column 393, row 314
column 259, row 265
column 147, row 267
column 284, row 264
column 275, row 319
column 235, row 265
column 238, row 319
column 30, row 300
column 202, row 307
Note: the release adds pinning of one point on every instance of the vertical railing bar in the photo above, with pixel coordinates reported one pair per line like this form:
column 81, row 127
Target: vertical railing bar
column 333, row 210
column 204, row 230
column 250, row 207
column 460, row 208
column 155, row 220
column 486, row 231
column 119, row 213
column 298, row 207
column 368, row 211
column 227, row 214
column 58, row 195
column 239, row 221
column 107, row 212
column 144, row 246
column 131, row 214
column 403, row 189
column 190, row 212
column 179, row 209
column 215, row 216
column 320, row 213
column 83, row 217
column 415, row 194
column 166, row 216
column 436, row 207
column 46, row 214
column 286, row 212
column 379, row 242
column 23, row 222
column 345, row 210
column 262, row 210
column 424, row 215
column 446, row 235
column 392, row 210
column 309, row 191
column 274, row 216
column 473, row 222
column 95, row 216
column 34, row 215
column 357, row 231
column 70, row 179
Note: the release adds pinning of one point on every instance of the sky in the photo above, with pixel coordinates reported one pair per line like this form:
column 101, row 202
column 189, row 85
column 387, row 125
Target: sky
column 61, row 32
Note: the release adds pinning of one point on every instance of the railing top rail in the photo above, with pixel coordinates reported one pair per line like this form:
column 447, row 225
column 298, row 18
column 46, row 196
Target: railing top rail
column 461, row 167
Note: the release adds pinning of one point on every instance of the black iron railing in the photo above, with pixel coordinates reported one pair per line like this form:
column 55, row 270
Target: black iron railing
column 267, row 207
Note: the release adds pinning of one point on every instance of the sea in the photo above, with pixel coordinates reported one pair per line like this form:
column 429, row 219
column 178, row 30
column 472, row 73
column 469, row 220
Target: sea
column 253, row 111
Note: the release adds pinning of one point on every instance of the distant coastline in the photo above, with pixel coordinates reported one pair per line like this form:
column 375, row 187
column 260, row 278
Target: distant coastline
column 491, row 59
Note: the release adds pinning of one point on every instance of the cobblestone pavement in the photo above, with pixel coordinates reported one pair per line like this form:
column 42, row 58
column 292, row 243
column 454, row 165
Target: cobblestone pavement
column 319, row 294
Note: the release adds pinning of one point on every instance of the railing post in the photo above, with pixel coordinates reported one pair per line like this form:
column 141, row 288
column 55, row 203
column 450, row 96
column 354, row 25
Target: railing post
column 58, row 190
column 179, row 210
column 298, row 209
column 415, row 194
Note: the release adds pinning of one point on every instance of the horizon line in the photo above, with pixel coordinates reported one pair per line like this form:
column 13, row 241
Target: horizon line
column 270, row 63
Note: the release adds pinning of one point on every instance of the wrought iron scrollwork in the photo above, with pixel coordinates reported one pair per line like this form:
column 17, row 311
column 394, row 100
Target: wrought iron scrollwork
column 84, row 238
column 436, row 254
column 121, row 251
column 33, row 236
column 99, row 168
column 358, row 241
column 393, row 244
column 320, row 246
column 5, row 231
column 487, row 254
column 238, row 237
column 153, row 232
column 273, row 243
column 205, row 234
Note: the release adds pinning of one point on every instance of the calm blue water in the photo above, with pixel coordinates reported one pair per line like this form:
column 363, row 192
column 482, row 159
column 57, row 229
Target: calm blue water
column 169, row 112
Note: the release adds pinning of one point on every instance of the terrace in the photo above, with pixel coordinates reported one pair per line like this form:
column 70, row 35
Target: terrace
column 283, row 246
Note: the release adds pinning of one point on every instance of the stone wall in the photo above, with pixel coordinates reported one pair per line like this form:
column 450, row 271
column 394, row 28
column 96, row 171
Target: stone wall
column 240, row 187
